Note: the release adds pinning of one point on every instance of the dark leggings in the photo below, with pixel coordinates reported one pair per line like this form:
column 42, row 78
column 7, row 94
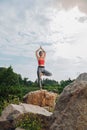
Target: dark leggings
column 42, row 70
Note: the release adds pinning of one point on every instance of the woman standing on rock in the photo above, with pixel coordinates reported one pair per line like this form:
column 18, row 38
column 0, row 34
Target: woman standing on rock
column 41, row 55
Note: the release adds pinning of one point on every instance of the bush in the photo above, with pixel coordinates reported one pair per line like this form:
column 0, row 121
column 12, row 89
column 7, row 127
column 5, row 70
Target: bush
column 29, row 122
column 10, row 100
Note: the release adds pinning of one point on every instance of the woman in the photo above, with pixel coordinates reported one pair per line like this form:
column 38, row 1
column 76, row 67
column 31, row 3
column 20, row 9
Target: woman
column 41, row 55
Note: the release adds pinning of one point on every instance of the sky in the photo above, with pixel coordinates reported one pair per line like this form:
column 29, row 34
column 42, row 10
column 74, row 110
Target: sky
column 59, row 26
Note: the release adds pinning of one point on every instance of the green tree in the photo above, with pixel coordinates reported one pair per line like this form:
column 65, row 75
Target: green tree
column 63, row 84
column 8, row 77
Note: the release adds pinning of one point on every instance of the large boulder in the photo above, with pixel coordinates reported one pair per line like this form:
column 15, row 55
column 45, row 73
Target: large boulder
column 12, row 112
column 71, row 108
column 41, row 98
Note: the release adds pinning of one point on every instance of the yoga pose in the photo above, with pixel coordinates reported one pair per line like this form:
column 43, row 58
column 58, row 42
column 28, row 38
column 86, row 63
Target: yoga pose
column 41, row 55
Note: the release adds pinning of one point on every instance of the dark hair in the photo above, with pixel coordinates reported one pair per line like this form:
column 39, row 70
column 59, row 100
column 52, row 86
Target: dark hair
column 40, row 52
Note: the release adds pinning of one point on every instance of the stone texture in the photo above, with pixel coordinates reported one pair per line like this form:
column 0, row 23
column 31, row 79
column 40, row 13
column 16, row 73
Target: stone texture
column 41, row 98
column 12, row 112
column 19, row 129
column 71, row 109
column 7, row 125
column 82, row 77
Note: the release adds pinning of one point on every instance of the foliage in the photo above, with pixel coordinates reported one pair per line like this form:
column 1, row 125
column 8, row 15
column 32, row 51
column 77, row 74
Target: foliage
column 29, row 122
column 10, row 100
column 52, row 85
column 13, row 94
column 50, row 82
column 8, row 77
column 13, row 87
column 63, row 84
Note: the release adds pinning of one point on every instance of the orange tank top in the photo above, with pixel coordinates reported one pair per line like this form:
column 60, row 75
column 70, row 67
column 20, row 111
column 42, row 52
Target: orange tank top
column 41, row 62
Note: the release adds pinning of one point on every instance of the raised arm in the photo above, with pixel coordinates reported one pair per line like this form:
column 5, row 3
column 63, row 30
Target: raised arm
column 37, row 53
column 43, row 51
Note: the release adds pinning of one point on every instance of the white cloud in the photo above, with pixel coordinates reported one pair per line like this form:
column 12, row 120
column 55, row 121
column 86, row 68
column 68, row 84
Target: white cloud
column 68, row 4
column 24, row 26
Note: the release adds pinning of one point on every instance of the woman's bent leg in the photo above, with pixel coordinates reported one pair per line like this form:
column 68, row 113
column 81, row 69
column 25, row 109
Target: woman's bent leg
column 47, row 73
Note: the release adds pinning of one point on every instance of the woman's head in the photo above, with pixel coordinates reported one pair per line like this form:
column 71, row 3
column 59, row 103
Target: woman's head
column 40, row 53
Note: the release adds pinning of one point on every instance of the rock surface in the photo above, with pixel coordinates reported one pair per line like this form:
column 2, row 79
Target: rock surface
column 82, row 77
column 13, row 112
column 71, row 109
column 19, row 129
column 41, row 98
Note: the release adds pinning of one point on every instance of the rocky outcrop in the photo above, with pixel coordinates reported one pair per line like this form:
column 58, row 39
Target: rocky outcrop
column 41, row 98
column 71, row 109
column 70, row 112
column 34, row 103
column 13, row 112
column 82, row 77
